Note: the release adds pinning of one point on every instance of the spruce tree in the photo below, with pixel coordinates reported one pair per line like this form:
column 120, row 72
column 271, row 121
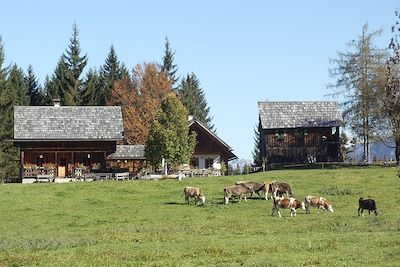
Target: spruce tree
column 50, row 91
column 110, row 72
column 75, row 63
column 91, row 92
column 193, row 98
column 13, row 92
column 57, row 86
column 257, row 158
column 168, row 65
column 34, row 89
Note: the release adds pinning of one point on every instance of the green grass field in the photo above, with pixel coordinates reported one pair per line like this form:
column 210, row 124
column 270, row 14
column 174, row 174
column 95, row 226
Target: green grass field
column 146, row 223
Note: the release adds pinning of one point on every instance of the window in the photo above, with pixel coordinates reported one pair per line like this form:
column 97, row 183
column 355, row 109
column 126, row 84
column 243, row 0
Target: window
column 209, row 162
column 194, row 163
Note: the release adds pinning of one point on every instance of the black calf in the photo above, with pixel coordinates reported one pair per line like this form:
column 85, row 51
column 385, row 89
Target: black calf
column 367, row 204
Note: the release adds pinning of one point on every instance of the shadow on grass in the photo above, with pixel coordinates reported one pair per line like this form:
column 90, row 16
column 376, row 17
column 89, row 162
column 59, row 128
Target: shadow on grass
column 175, row 203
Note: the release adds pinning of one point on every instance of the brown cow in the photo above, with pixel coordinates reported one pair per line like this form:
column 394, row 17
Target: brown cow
column 287, row 203
column 236, row 191
column 254, row 186
column 194, row 192
column 279, row 188
column 317, row 202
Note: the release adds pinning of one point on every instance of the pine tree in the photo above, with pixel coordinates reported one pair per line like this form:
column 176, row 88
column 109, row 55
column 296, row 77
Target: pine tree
column 257, row 158
column 169, row 136
column 193, row 98
column 168, row 65
column 110, row 72
column 34, row 89
column 75, row 63
column 91, row 92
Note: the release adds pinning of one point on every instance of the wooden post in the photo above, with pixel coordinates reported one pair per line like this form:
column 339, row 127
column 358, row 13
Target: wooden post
column 21, row 166
column 56, row 162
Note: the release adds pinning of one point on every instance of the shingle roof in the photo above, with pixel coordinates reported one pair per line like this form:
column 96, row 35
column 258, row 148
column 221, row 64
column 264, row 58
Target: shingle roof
column 128, row 152
column 67, row 123
column 279, row 115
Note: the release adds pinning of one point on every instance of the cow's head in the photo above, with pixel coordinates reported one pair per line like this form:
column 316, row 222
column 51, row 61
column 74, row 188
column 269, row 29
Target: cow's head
column 202, row 200
column 330, row 208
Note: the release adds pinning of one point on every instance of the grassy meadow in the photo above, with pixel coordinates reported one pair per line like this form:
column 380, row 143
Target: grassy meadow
column 146, row 223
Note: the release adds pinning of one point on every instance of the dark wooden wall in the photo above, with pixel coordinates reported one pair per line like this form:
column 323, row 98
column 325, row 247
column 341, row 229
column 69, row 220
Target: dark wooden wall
column 300, row 145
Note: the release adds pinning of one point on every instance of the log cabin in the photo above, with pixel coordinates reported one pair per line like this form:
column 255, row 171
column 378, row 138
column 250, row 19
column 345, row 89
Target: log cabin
column 299, row 131
column 65, row 141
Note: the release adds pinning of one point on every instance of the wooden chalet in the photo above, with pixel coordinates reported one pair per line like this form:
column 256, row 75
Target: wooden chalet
column 210, row 150
column 299, row 132
column 65, row 141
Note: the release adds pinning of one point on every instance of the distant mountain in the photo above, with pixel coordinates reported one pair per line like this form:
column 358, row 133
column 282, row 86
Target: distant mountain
column 379, row 152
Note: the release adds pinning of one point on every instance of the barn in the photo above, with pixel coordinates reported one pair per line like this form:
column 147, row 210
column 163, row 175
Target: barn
column 299, row 131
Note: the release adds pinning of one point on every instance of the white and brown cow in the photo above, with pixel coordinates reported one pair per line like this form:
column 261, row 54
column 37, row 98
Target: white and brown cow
column 287, row 203
column 194, row 192
column 317, row 202
column 239, row 191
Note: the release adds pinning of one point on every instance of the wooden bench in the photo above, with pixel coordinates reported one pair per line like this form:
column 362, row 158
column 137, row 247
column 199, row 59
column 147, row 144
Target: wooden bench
column 122, row 176
column 44, row 178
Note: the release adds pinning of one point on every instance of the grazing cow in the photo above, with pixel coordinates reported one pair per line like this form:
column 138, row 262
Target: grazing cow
column 287, row 203
column 279, row 188
column 317, row 202
column 194, row 192
column 254, row 186
column 367, row 204
column 236, row 191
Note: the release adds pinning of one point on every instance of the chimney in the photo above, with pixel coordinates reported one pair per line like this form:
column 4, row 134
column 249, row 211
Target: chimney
column 57, row 102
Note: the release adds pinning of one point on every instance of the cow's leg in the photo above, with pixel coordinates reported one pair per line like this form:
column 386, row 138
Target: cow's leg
column 358, row 211
column 273, row 210
column 279, row 213
column 292, row 212
column 245, row 199
column 187, row 199
column 226, row 198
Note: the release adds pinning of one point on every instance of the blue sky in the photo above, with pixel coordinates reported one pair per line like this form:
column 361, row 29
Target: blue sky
column 242, row 51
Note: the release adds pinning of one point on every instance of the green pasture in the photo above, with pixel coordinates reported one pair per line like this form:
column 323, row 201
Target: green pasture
column 146, row 223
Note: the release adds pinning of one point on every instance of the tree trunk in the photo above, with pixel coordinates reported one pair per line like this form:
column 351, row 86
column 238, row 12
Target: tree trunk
column 397, row 152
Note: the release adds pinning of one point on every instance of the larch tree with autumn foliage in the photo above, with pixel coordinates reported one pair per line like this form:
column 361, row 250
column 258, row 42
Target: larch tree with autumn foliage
column 140, row 95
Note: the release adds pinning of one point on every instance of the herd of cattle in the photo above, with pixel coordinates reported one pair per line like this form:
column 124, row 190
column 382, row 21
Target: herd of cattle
column 281, row 194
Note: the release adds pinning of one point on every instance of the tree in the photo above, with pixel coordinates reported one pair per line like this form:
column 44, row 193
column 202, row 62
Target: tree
column 168, row 65
column 257, row 158
column 193, row 98
column 140, row 96
column 110, row 72
column 391, row 99
column 18, row 87
column 357, row 73
column 13, row 92
column 34, row 89
column 343, row 150
column 74, row 63
column 169, row 136
column 91, row 92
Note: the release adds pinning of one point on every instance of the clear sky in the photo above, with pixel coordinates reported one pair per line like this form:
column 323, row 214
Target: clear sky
column 242, row 51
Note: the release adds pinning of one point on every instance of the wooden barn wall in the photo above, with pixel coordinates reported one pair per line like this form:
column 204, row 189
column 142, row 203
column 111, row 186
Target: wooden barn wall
column 301, row 145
